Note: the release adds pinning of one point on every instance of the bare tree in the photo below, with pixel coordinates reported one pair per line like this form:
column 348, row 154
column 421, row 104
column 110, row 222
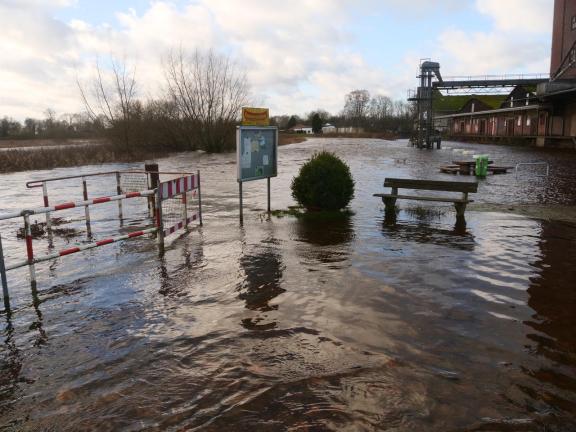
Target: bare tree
column 209, row 91
column 110, row 98
column 356, row 107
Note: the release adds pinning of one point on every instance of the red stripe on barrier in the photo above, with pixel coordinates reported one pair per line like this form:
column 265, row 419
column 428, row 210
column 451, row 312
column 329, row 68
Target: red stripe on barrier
column 65, row 206
column 45, row 201
column 169, row 190
column 135, row 234
column 133, row 194
column 100, row 200
column 69, row 251
column 29, row 249
column 104, row 242
column 178, row 188
column 192, row 181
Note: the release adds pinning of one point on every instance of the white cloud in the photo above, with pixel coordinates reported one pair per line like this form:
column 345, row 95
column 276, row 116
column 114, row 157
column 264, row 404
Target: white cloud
column 518, row 42
column 525, row 16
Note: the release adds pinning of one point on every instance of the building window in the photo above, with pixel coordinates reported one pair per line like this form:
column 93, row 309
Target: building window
column 528, row 121
column 519, row 120
column 511, row 101
column 527, row 98
column 574, row 22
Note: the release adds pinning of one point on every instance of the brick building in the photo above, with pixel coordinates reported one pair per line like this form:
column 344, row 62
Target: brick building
column 545, row 115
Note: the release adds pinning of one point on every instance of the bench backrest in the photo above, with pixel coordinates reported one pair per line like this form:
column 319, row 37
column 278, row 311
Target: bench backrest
column 436, row 185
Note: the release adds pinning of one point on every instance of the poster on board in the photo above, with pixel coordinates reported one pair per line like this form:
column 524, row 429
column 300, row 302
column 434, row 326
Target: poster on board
column 256, row 152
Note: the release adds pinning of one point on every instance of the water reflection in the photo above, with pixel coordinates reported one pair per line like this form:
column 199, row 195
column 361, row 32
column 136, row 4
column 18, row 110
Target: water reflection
column 326, row 240
column 11, row 360
column 263, row 270
column 423, row 231
column 553, row 298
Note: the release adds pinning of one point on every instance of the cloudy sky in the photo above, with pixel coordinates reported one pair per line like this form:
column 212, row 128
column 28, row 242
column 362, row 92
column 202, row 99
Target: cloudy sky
column 299, row 55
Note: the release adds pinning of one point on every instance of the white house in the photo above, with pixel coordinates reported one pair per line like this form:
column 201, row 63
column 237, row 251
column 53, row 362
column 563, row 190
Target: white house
column 300, row 128
column 328, row 128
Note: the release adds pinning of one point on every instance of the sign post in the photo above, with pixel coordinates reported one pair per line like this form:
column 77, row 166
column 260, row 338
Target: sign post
column 256, row 150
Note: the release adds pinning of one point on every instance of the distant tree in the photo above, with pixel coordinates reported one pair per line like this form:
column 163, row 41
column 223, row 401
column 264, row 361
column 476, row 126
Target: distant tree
column 316, row 123
column 9, row 127
column 281, row 121
column 30, row 126
column 356, row 107
column 291, row 122
column 323, row 114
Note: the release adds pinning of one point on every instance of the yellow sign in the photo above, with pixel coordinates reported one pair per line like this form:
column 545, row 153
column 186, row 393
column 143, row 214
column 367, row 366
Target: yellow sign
column 255, row 117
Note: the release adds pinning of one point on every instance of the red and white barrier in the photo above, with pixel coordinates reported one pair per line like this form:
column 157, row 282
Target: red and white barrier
column 69, row 205
column 164, row 191
column 178, row 186
column 173, row 188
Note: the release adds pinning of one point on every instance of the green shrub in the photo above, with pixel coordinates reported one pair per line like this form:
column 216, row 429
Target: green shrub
column 323, row 183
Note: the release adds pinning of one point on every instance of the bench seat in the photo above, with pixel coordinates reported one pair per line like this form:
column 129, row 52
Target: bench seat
column 460, row 202
column 426, row 198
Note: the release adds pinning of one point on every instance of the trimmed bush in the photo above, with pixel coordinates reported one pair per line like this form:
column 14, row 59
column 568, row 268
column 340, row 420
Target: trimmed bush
column 323, row 183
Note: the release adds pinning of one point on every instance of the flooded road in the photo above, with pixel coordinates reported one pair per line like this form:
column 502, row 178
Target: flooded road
column 358, row 323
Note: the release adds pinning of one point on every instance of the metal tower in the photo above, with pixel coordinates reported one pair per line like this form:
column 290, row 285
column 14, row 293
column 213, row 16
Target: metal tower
column 425, row 133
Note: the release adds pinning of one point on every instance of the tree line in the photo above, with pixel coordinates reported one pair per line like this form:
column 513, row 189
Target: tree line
column 198, row 108
column 77, row 125
column 361, row 111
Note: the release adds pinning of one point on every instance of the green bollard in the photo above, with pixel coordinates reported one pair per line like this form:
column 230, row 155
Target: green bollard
column 481, row 165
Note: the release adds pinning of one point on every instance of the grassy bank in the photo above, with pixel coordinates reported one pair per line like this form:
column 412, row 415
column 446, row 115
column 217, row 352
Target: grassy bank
column 37, row 159
column 290, row 138
column 93, row 153
column 21, row 143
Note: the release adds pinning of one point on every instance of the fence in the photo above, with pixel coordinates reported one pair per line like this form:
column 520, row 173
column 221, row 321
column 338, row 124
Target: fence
column 169, row 204
column 546, row 166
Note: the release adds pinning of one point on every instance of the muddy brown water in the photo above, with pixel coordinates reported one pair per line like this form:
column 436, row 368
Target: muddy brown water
column 358, row 323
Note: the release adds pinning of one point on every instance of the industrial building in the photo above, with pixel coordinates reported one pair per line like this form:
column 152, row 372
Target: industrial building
column 537, row 110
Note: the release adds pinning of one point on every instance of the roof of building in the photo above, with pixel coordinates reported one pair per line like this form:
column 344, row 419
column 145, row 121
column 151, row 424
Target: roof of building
column 454, row 103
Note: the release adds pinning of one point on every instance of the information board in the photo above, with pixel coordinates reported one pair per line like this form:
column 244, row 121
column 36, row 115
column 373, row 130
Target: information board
column 256, row 152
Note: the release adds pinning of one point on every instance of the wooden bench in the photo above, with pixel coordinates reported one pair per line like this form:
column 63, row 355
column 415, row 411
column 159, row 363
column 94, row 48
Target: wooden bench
column 433, row 185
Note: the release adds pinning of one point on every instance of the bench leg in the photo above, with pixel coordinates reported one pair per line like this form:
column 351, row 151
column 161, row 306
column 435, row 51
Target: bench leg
column 460, row 209
column 389, row 204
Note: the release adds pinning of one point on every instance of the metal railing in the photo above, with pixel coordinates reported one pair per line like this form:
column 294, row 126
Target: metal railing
column 165, row 191
column 546, row 164
column 503, row 77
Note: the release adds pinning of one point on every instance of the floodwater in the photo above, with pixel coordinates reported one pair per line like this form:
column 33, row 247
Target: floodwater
column 358, row 323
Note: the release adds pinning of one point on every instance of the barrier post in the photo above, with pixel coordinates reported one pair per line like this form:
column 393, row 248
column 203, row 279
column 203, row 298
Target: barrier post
column 159, row 223
column 119, row 192
column 29, row 248
column 184, row 210
column 241, row 204
column 268, row 182
column 46, row 204
column 199, row 199
column 5, row 294
column 86, row 207
column 153, row 181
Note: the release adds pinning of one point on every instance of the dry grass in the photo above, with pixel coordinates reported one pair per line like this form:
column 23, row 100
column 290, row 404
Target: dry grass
column 19, row 143
column 24, row 160
column 284, row 138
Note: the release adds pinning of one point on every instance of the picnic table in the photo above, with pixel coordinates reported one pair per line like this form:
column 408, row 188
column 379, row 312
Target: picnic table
column 468, row 167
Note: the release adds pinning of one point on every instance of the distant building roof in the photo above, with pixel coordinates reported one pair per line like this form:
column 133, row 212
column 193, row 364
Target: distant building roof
column 300, row 126
column 453, row 103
